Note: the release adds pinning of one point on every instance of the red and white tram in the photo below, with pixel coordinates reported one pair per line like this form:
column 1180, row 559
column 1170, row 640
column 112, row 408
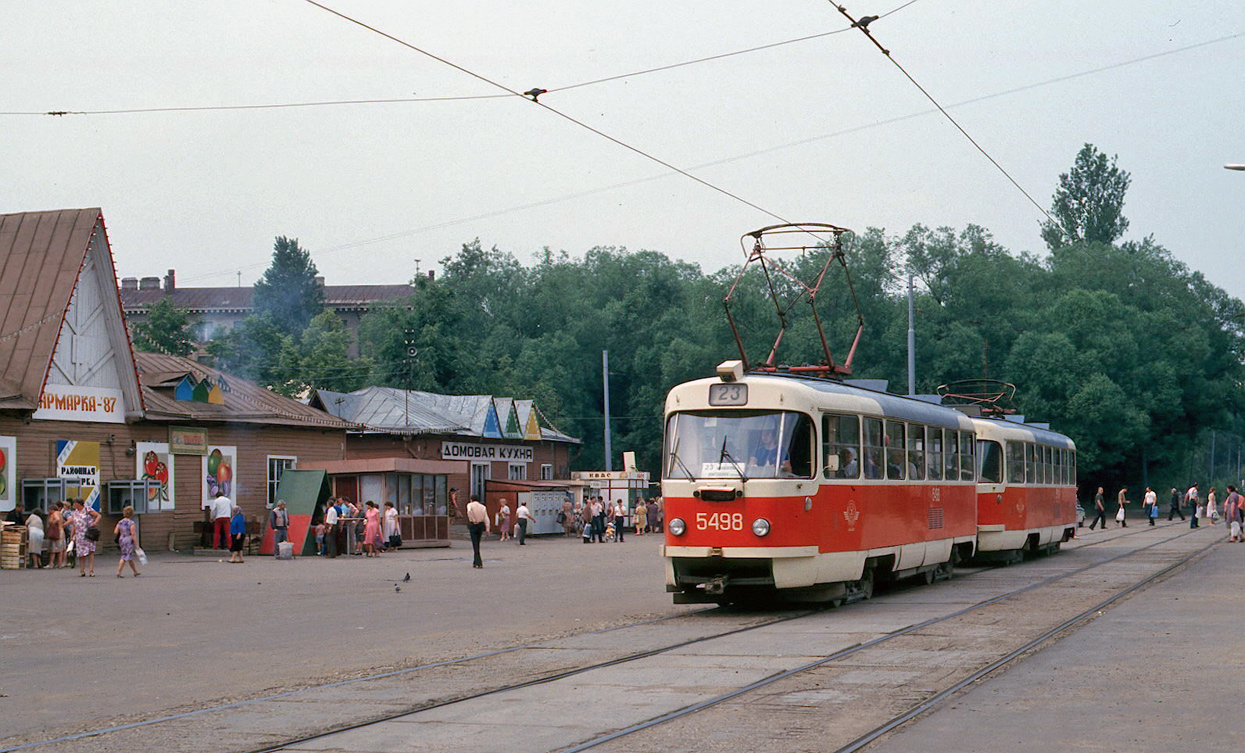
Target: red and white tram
column 810, row 489
column 1026, row 489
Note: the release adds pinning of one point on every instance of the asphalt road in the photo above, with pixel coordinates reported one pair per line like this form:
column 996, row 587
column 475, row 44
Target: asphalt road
column 80, row 653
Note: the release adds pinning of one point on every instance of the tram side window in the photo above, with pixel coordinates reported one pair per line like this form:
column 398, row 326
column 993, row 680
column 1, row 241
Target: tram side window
column 840, row 444
column 1030, row 465
column 950, row 455
column 1015, row 463
column 968, row 465
column 1065, row 467
column 916, row 452
column 896, row 461
column 1048, row 463
column 873, row 448
column 990, row 460
column 933, row 440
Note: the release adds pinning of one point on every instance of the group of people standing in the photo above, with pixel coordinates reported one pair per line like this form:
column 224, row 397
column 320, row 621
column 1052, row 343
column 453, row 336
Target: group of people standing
column 72, row 528
column 347, row 528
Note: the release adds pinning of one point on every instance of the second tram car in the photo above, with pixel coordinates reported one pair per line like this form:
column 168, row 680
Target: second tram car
column 1026, row 489
column 810, row 489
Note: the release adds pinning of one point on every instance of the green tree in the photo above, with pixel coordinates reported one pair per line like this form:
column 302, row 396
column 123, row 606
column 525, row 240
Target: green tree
column 320, row 359
column 1089, row 203
column 252, row 350
column 288, row 292
column 166, row 330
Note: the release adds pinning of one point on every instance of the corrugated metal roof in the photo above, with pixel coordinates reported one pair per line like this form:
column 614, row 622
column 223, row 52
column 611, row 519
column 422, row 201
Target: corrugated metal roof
column 40, row 256
column 390, row 410
column 237, row 299
column 245, row 402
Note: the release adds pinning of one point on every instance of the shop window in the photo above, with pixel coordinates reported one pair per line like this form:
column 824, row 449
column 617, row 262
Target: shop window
column 546, row 472
column 277, row 465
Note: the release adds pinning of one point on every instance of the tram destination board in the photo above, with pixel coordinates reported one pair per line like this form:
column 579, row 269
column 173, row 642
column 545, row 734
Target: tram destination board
column 728, row 394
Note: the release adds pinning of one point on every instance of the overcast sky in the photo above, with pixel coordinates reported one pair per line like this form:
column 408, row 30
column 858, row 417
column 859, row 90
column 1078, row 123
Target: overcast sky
column 822, row 130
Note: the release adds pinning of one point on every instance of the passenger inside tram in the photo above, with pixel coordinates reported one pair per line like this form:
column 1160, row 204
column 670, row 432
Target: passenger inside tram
column 847, row 464
column 766, row 453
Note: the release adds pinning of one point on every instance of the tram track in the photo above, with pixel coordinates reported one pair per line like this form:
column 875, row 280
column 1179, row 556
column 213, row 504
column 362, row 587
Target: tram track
column 615, row 662
column 777, row 677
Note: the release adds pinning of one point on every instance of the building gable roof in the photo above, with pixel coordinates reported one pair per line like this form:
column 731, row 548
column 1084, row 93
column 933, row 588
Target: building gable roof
column 242, row 401
column 42, row 257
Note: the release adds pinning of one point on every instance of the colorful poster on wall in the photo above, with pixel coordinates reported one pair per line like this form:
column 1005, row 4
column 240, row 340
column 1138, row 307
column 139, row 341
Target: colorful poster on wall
column 8, row 473
column 218, row 472
column 78, row 463
column 155, row 463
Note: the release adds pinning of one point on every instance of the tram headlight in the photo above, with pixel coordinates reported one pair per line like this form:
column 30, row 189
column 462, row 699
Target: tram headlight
column 760, row 526
column 677, row 526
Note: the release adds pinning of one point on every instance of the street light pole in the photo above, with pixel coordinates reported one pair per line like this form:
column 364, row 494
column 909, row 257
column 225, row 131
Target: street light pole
column 1234, row 167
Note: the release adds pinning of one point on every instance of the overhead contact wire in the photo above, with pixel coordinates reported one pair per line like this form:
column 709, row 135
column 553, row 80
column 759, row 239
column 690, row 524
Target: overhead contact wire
column 569, row 118
column 864, row 28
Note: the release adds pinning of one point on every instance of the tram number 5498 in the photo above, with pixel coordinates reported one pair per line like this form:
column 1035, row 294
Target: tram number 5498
column 721, row 521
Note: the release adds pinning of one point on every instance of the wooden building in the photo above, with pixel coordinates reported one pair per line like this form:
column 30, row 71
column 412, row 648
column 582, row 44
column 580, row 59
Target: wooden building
column 82, row 415
column 411, row 447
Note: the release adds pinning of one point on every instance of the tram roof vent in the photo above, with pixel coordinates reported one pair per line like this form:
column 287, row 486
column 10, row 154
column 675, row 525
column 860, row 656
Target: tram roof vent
column 972, row 411
column 935, row 399
column 1014, row 417
column 1041, row 425
column 877, row 385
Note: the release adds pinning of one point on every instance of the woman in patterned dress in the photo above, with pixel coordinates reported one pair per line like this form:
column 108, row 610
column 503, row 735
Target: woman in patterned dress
column 127, row 532
column 81, row 519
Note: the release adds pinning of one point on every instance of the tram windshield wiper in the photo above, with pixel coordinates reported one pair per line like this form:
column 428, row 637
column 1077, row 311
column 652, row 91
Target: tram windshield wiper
column 674, row 454
column 726, row 455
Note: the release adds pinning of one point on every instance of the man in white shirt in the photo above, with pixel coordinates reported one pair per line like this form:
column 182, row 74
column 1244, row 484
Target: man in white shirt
column 330, row 528
column 523, row 515
column 222, row 511
column 477, row 526
column 1151, row 504
column 1192, row 498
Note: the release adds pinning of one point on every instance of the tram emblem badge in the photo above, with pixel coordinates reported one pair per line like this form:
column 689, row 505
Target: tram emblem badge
column 851, row 515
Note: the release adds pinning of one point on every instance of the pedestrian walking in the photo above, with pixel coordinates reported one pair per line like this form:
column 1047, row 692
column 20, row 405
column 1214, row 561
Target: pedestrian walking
column 1175, row 506
column 1100, row 512
column 1232, row 513
column 1151, row 505
column 523, row 516
column 84, row 520
column 1195, row 505
column 477, row 526
column 1122, row 500
column 34, row 539
column 1211, row 511
column 279, row 520
column 620, row 516
column 372, row 541
column 126, row 532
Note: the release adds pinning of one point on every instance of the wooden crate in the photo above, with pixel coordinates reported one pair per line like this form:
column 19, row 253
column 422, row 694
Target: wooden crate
column 13, row 545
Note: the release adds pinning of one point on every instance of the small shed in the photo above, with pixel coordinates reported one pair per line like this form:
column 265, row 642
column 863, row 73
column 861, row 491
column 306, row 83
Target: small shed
column 543, row 498
column 304, row 492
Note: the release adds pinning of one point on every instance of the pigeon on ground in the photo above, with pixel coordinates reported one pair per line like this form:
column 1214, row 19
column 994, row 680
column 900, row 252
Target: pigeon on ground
column 407, row 579
column 864, row 22
column 396, row 588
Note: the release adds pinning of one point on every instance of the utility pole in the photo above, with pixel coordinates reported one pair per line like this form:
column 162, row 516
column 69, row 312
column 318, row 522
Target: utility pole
column 911, row 344
column 605, row 378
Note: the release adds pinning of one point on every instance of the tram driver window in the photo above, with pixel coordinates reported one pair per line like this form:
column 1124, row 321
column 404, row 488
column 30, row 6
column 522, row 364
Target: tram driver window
column 840, row 445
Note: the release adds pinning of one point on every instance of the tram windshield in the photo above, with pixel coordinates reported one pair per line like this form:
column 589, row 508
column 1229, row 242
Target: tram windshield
column 739, row 444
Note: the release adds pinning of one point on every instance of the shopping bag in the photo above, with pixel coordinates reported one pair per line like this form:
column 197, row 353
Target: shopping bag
column 142, row 556
column 1119, row 516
